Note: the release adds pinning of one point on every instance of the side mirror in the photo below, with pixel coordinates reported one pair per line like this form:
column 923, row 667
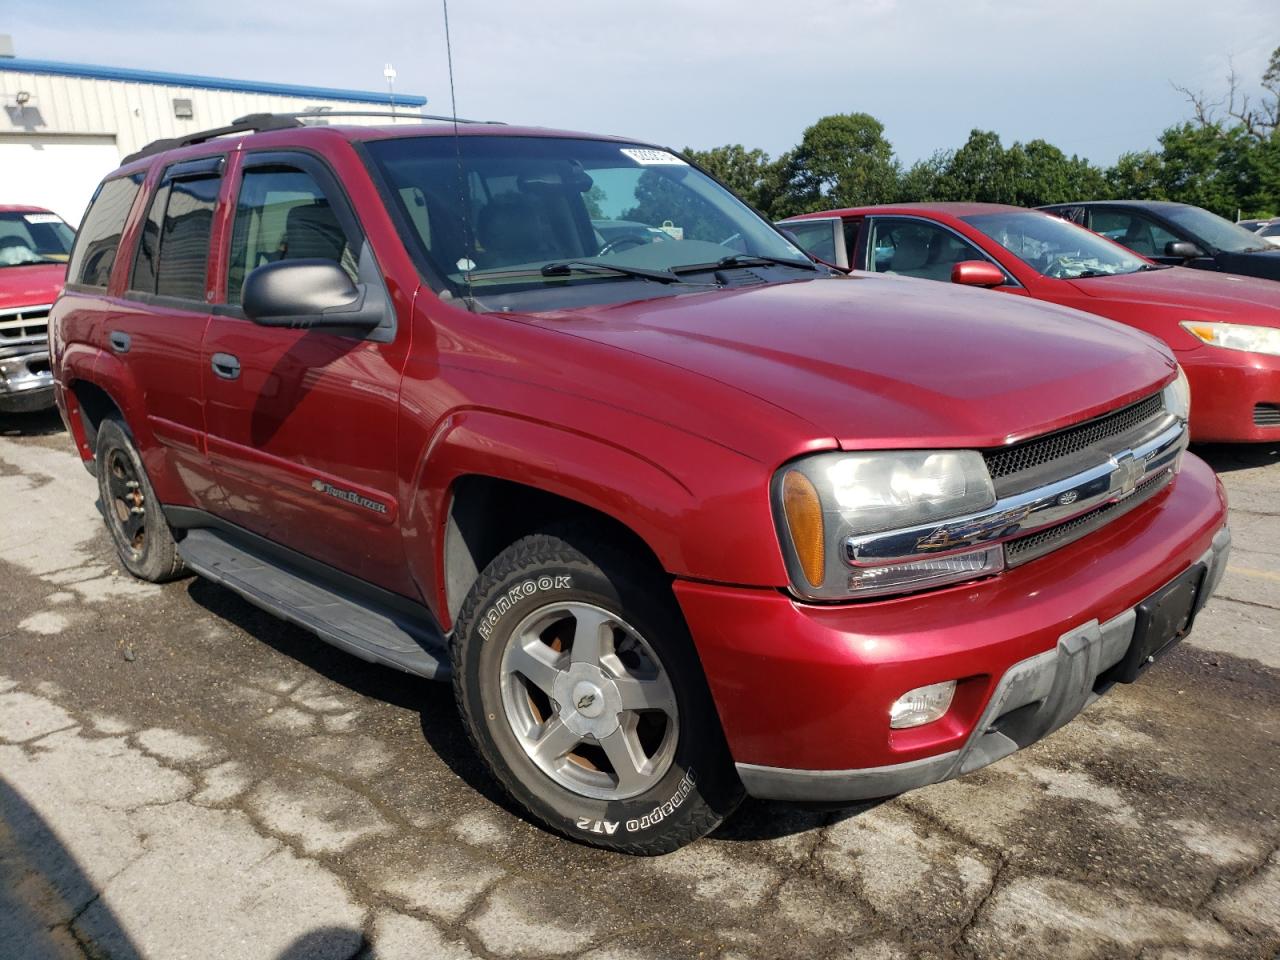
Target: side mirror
column 978, row 273
column 1182, row 249
column 307, row 293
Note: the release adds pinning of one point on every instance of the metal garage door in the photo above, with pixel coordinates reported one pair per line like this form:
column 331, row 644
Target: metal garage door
column 59, row 173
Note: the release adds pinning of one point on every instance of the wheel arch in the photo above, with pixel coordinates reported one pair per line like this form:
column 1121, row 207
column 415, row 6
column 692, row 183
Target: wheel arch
column 485, row 479
column 486, row 514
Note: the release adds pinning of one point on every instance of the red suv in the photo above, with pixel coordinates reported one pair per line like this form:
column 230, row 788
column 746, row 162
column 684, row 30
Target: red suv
column 682, row 513
column 34, row 244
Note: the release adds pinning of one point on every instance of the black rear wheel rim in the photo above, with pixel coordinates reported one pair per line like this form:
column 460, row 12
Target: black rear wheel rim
column 126, row 505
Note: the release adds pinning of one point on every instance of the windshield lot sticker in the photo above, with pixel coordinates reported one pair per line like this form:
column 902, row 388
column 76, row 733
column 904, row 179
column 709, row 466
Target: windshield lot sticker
column 42, row 218
column 517, row 593
column 653, row 158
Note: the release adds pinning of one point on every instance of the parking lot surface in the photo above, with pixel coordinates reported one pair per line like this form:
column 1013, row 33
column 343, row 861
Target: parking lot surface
column 184, row 776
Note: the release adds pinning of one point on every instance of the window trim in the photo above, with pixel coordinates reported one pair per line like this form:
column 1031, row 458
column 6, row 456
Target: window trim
column 201, row 168
column 869, row 251
column 315, row 165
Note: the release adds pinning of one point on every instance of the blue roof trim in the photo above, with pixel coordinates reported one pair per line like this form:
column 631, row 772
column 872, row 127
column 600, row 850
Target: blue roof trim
column 18, row 65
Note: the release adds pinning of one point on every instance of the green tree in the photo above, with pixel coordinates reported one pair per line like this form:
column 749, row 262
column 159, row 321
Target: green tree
column 843, row 160
column 748, row 173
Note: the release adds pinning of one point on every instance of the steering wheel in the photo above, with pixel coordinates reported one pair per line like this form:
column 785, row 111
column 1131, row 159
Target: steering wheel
column 624, row 242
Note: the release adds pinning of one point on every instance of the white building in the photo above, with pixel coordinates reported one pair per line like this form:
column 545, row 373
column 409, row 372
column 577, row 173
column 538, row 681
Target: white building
column 64, row 125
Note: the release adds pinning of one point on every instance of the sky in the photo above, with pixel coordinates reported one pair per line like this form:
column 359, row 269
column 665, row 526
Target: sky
column 1094, row 77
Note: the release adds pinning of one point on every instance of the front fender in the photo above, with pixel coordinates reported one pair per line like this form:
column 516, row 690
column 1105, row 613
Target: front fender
column 711, row 520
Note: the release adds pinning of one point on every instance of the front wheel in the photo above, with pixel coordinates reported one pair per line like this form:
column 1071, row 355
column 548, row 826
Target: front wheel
column 581, row 690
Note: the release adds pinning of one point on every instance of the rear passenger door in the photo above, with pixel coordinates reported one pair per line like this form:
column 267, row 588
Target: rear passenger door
column 157, row 331
column 302, row 423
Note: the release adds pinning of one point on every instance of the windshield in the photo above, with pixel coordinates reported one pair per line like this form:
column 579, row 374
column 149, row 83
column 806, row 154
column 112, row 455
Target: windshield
column 1055, row 248
column 33, row 238
column 1211, row 231
column 501, row 214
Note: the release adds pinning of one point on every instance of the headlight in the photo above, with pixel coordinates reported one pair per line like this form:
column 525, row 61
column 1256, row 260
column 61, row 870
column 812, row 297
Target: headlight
column 1177, row 396
column 1236, row 336
column 821, row 501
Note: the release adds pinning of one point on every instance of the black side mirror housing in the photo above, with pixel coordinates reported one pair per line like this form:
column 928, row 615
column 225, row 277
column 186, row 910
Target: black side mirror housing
column 308, row 293
column 1182, row 249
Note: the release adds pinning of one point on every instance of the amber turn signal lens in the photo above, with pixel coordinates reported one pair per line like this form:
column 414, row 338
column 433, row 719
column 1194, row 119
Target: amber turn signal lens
column 804, row 518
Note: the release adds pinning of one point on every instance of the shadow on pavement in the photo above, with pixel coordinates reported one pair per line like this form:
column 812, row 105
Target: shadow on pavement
column 1225, row 457
column 42, row 424
column 442, row 727
column 43, row 890
column 432, row 700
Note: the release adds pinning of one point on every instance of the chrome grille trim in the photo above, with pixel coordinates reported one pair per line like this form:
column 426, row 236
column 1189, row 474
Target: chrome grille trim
column 24, row 325
column 1023, row 514
column 1026, row 549
column 1030, row 463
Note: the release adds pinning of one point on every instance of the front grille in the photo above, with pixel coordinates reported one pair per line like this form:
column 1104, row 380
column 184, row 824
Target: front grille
column 1038, row 544
column 1029, row 454
column 28, row 323
column 1266, row 415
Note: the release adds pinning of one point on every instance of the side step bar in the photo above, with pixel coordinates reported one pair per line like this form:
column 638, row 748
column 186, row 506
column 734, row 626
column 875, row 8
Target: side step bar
column 376, row 632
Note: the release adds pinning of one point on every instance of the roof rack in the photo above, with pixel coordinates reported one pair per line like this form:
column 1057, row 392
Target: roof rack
column 262, row 122
column 323, row 113
column 251, row 123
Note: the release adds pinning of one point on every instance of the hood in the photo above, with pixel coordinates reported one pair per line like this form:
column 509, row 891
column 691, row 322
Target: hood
column 889, row 362
column 30, row 285
column 1198, row 294
column 1255, row 263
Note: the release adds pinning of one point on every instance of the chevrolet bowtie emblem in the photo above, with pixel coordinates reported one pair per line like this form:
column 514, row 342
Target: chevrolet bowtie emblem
column 586, row 701
column 1129, row 470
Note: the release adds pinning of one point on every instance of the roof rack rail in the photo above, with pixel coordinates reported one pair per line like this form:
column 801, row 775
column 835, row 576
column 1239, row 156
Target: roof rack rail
column 251, row 123
column 322, row 114
column 262, row 122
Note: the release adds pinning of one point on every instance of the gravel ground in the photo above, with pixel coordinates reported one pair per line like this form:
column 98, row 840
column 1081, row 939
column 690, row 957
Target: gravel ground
column 183, row 776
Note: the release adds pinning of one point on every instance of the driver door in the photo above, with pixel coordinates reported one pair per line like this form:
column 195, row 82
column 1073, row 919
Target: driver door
column 302, row 423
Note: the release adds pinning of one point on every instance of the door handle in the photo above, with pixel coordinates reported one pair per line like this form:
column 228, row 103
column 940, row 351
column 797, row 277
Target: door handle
column 226, row 366
column 120, row 342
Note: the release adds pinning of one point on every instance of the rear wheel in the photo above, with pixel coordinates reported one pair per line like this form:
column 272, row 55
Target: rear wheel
column 581, row 689
column 129, row 505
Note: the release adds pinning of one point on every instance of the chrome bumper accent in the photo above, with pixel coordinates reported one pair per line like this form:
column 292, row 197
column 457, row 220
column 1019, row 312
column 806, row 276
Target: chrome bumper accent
column 1029, row 512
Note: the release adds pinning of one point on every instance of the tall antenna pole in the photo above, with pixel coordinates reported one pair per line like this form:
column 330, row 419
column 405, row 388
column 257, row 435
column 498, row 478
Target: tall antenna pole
column 465, row 208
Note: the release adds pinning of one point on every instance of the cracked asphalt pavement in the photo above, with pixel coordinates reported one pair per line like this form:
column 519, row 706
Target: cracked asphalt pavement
column 184, row 776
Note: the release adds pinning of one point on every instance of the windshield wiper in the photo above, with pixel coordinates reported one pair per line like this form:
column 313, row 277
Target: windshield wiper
column 746, row 260
column 563, row 268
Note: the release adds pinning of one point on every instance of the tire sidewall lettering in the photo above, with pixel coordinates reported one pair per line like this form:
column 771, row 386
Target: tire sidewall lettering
column 486, row 624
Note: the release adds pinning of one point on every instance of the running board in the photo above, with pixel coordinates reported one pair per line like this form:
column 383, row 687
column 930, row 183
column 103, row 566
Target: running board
column 360, row 625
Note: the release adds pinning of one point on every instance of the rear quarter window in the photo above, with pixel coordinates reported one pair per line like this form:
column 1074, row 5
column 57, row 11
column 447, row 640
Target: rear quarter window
column 94, row 253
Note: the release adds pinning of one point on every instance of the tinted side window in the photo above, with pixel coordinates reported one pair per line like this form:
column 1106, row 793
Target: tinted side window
column 1133, row 231
column 816, row 236
column 283, row 214
column 181, row 269
column 95, row 249
column 914, row 248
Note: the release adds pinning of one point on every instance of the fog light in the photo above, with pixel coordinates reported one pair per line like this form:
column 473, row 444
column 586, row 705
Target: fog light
column 921, row 705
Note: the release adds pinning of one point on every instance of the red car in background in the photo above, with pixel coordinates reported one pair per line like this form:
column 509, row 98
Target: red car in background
column 1224, row 329
column 34, row 245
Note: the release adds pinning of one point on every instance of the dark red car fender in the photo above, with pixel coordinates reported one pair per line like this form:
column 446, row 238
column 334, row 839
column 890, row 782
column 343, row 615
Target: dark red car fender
column 726, row 538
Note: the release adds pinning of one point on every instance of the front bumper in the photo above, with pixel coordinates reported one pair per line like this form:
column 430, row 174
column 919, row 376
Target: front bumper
column 26, row 381
column 1035, row 697
column 1229, row 388
column 804, row 690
